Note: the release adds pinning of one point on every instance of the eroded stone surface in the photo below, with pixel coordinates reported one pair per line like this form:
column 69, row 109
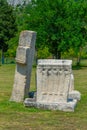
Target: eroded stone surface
column 24, row 60
column 53, row 80
column 74, row 95
column 55, row 86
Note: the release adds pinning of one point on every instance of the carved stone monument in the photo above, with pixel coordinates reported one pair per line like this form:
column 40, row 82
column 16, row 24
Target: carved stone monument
column 24, row 59
column 55, row 84
column 53, row 81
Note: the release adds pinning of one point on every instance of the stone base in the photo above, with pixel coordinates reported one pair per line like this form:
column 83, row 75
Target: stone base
column 63, row 106
column 74, row 95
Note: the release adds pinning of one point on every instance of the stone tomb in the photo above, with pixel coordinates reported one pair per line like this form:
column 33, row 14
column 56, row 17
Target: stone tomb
column 24, row 59
column 55, row 86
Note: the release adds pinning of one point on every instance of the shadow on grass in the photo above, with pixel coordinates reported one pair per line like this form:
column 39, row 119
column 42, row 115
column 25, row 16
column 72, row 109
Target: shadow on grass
column 77, row 67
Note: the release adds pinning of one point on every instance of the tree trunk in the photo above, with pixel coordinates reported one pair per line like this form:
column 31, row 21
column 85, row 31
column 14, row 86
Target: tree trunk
column 58, row 55
column 2, row 56
column 79, row 57
column 78, row 61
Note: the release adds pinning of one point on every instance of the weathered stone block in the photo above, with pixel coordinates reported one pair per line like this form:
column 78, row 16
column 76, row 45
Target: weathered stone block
column 55, row 86
column 74, row 95
column 27, row 39
column 53, row 78
column 21, row 55
column 24, row 60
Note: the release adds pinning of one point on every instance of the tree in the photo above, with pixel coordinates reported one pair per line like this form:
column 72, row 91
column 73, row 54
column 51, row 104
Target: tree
column 60, row 24
column 7, row 24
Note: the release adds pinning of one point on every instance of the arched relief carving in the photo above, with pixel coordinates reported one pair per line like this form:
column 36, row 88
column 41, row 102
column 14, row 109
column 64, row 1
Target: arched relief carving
column 44, row 71
column 66, row 72
column 60, row 72
column 49, row 71
column 55, row 71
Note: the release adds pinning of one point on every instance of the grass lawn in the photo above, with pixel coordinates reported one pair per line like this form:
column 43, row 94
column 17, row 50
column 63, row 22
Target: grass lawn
column 14, row 116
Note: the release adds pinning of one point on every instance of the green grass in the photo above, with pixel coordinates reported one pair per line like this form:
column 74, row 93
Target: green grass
column 14, row 116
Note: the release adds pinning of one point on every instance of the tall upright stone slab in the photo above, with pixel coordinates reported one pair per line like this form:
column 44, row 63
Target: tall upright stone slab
column 24, row 59
column 55, row 83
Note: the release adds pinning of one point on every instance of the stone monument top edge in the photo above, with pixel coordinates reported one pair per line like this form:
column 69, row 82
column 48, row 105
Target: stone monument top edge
column 54, row 62
column 27, row 38
column 29, row 31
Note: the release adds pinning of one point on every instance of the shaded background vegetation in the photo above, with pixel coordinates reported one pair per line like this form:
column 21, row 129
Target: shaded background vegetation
column 61, row 27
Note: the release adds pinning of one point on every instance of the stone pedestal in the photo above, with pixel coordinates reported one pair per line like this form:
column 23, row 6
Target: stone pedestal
column 55, row 83
column 24, row 60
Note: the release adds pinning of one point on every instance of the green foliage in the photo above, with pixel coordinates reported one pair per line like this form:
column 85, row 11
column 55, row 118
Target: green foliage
column 60, row 24
column 7, row 24
column 43, row 53
column 12, row 46
column 69, row 54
